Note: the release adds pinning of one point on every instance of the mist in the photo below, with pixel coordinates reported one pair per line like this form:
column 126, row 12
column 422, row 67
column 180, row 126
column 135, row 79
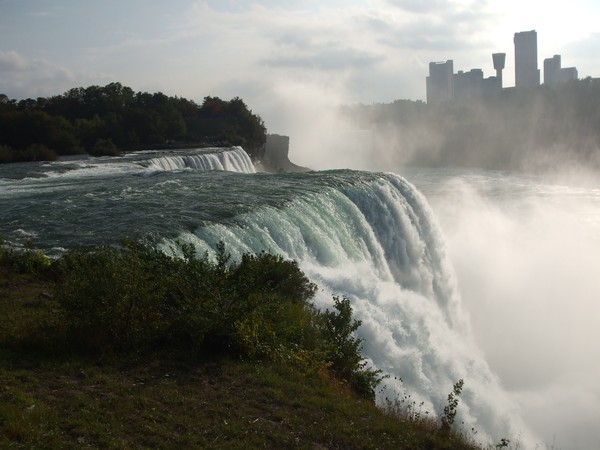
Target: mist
column 528, row 265
column 552, row 130
column 527, row 257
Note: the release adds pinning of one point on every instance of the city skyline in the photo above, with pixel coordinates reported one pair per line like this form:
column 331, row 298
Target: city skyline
column 443, row 84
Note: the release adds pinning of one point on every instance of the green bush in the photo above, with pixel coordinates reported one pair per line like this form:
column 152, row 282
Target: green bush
column 134, row 297
column 104, row 147
column 269, row 306
column 26, row 260
column 343, row 349
column 40, row 152
column 111, row 298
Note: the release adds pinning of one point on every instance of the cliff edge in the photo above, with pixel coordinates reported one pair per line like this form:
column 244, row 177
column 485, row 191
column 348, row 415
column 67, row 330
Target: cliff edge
column 275, row 158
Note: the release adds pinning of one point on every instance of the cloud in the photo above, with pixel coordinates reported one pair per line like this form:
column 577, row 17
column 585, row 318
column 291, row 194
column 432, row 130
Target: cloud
column 39, row 14
column 21, row 77
column 438, row 26
column 586, row 47
column 11, row 61
column 419, row 6
column 326, row 59
column 452, row 11
column 369, row 51
column 584, row 55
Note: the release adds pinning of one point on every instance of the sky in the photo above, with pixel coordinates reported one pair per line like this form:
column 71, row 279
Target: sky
column 285, row 59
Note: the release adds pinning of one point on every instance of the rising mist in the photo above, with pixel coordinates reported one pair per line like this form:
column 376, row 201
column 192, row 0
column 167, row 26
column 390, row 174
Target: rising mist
column 533, row 130
column 549, row 129
column 525, row 247
column 527, row 258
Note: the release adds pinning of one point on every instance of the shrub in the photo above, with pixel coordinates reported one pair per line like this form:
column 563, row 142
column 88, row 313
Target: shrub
column 104, row 147
column 449, row 414
column 133, row 297
column 111, row 298
column 40, row 152
column 261, row 307
column 27, row 260
column 343, row 350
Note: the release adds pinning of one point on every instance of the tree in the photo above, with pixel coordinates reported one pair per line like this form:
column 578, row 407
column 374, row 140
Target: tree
column 76, row 120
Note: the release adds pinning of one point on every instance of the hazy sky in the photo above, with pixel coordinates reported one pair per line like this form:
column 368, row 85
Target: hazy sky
column 278, row 55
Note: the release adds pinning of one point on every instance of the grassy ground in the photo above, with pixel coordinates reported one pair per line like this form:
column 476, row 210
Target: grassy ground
column 54, row 399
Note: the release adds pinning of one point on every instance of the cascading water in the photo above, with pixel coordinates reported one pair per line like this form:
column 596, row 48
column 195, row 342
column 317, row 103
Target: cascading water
column 373, row 238
column 232, row 160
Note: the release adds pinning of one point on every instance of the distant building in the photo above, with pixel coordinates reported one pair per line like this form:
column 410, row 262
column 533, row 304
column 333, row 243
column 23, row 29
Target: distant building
column 440, row 82
column 499, row 60
column 527, row 73
column 443, row 84
column 468, row 84
column 552, row 70
column 554, row 73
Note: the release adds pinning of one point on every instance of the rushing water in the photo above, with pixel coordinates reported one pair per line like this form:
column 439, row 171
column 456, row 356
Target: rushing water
column 432, row 301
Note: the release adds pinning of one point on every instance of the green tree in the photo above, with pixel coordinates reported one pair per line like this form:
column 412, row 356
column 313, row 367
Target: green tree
column 76, row 120
column 343, row 349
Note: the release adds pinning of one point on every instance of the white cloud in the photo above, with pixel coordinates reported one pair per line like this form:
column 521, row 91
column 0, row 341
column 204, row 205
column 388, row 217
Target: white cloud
column 11, row 61
column 21, row 77
column 584, row 54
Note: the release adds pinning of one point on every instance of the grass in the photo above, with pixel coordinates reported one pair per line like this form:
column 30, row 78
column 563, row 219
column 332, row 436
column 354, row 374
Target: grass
column 164, row 398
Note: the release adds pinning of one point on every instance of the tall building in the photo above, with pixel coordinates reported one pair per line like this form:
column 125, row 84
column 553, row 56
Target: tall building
column 554, row 73
column 552, row 70
column 444, row 85
column 527, row 73
column 468, row 84
column 440, row 82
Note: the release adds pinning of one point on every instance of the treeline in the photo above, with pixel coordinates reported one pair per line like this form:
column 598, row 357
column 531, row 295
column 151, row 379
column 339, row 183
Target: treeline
column 111, row 119
column 523, row 129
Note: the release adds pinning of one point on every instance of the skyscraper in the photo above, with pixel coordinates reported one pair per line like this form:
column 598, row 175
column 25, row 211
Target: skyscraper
column 555, row 73
column 527, row 73
column 440, row 82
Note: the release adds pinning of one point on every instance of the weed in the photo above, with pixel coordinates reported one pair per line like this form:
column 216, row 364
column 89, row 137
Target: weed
column 449, row 413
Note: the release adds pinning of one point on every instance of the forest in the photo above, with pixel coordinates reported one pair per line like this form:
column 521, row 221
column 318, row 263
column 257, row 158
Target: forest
column 111, row 119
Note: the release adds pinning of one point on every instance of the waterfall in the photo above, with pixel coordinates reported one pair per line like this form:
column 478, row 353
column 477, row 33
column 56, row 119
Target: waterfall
column 233, row 159
column 374, row 239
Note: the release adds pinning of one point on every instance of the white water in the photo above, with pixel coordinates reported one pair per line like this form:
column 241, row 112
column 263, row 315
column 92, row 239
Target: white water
column 376, row 241
column 232, row 160
column 146, row 162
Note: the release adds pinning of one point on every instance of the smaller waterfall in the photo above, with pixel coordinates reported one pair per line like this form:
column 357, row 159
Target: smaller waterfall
column 233, row 159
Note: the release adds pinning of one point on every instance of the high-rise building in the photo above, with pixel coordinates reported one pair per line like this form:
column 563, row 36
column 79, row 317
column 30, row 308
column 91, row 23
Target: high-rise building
column 440, row 82
column 554, row 73
column 468, row 84
column 527, row 73
column 552, row 70
column 443, row 84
